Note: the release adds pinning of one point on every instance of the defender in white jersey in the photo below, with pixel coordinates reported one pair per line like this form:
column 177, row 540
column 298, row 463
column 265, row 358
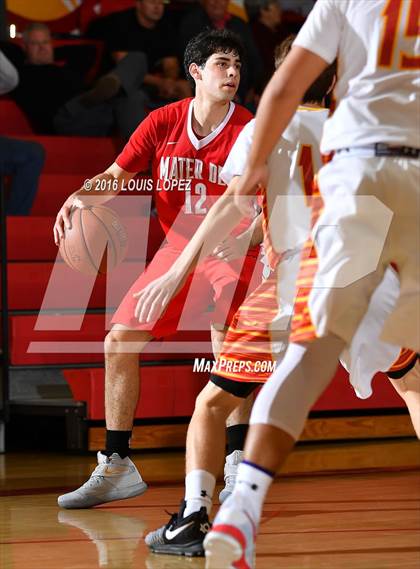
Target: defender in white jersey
column 251, row 339
column 288, row 221
column 370, row 219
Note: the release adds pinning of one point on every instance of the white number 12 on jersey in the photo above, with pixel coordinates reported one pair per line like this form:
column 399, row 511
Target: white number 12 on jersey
column 199, row 190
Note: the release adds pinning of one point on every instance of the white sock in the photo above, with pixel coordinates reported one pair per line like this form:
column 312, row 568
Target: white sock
column 252, row 485
column 199, row 488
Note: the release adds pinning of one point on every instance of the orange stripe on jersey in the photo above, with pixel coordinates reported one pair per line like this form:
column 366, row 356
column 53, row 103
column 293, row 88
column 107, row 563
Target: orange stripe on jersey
column 255, row 330
column 249, row 324
column 302, row 329
column 251, row 343
column 258, row 309
column 311, row 260
column 405, row 357
column 304, row 334
column 303, row 299
column 268, row 295
column 250, row 346
column 246, row 351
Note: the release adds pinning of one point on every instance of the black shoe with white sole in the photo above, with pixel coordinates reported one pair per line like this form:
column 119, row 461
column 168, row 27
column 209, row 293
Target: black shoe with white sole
column 181, row 536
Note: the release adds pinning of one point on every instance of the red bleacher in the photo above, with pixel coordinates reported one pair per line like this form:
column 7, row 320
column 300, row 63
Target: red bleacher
column 166, row 394
column 27, row 284
column 55, row 189
column 85, row 156
column 165, row 391
column 23, row 335
column 29, row 239
column 13, row 120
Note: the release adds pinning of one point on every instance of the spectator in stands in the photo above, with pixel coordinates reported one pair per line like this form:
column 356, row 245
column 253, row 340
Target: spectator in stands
column 214, row 14
column 145, row 29
column 268, row 32
column 44, row 85
column 116, row 100
column 20, row 160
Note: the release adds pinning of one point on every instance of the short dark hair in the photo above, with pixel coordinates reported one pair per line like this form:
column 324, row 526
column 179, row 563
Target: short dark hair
column 320, row 87
column 208, row 42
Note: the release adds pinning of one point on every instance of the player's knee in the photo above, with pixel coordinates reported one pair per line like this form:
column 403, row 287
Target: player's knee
column 215, row 400
column 124, row 342
column 110, row 343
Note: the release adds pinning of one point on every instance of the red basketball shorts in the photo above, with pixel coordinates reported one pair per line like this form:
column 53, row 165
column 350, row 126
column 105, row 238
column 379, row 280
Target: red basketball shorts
column 211, row 295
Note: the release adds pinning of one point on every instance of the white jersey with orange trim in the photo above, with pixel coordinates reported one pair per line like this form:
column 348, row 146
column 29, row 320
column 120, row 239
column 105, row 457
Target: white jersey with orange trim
column 259, row 331
column 292, row 166
column 378, row 49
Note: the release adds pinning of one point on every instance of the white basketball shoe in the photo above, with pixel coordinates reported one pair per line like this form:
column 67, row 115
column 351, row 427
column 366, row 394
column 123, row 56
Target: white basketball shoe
column 231, row 469
column 114, row 478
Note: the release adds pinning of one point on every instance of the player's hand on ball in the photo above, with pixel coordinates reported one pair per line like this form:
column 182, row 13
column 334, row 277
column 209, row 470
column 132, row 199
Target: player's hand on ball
column 155, row 297
column 63, row 217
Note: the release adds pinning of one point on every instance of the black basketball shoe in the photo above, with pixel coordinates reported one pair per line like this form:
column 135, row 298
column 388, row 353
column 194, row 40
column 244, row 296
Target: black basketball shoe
column 181, row 536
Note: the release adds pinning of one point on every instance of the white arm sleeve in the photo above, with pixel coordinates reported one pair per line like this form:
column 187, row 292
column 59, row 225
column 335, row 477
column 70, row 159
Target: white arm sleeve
column 238, row 156
column 9, row 77
column 322, row 30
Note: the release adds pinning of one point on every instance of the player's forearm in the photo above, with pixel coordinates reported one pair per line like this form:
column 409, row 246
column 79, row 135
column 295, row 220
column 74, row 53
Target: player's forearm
column 254, row 233
column 275, row 111
column 216, row 226
column 102, row 187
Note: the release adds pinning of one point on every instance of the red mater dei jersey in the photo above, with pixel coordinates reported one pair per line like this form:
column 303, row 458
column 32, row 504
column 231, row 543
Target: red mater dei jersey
column 185, row 169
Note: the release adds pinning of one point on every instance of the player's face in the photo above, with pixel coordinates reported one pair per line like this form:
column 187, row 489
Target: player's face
column 221, row 75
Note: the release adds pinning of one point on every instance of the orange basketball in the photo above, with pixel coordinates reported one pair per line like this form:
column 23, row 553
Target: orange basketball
column 97, row 241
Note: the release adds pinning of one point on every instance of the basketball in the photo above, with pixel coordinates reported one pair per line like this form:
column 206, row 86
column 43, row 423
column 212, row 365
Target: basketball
column 96, row 242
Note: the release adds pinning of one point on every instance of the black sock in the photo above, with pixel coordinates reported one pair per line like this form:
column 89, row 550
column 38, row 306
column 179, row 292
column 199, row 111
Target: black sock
column 117, row 441
column 236, row 436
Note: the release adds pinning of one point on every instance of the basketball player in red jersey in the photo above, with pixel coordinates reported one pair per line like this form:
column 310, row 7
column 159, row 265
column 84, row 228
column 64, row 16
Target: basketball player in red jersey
column 187, row 141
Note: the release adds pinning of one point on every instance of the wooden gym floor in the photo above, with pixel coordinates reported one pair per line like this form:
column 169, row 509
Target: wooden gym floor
column 337, row 506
